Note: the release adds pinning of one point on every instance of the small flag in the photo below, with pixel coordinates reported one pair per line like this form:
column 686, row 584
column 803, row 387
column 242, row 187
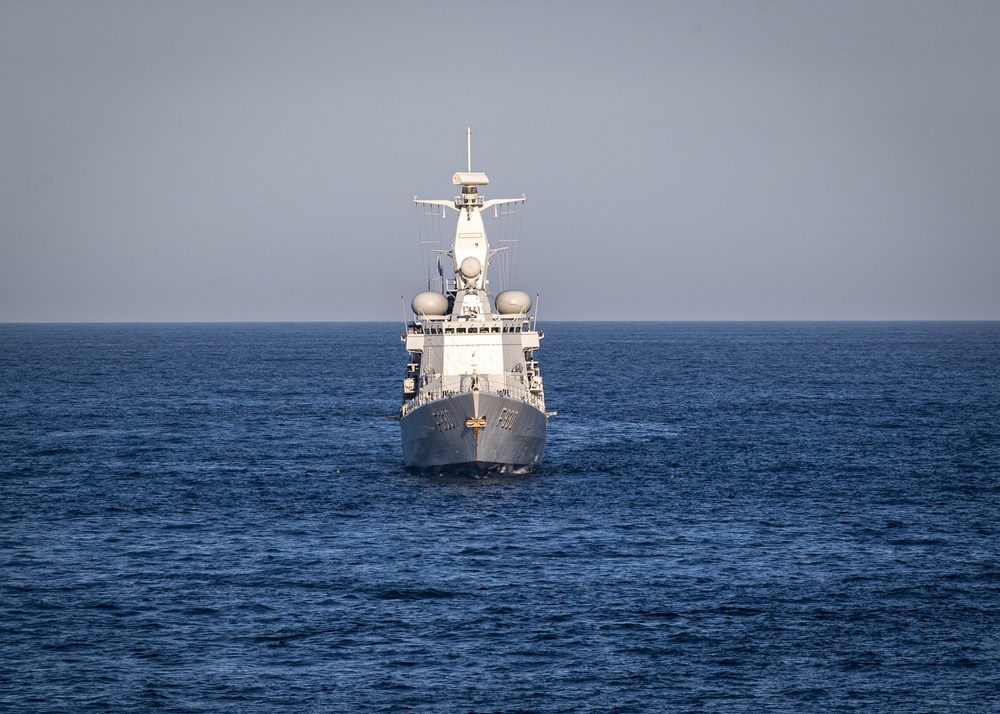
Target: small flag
column 440, row 269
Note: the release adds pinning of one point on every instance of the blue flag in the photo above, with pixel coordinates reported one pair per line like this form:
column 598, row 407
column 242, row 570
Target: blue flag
column 440, row 270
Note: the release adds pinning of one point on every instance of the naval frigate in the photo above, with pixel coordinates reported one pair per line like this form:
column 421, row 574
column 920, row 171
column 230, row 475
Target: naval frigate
column 472, row 392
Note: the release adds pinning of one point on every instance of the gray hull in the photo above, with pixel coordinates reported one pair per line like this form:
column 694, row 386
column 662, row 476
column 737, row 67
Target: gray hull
column 435, row 434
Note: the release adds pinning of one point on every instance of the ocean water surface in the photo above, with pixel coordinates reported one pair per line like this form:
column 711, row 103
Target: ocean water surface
column 731, row 517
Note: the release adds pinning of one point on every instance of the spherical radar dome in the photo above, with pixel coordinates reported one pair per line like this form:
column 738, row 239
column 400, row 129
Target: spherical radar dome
column 471, row 267
column 429, row 303
column 513, row 302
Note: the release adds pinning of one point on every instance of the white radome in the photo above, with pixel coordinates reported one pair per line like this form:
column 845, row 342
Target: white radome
column 429, row 303
column 513, row 302
column 471, row 267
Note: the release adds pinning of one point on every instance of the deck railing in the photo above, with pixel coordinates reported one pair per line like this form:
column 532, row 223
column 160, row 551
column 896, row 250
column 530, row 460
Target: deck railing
column 507, row 390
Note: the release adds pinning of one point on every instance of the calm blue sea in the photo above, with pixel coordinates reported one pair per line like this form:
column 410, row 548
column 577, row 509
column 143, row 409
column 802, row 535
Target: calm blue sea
column 731, row 517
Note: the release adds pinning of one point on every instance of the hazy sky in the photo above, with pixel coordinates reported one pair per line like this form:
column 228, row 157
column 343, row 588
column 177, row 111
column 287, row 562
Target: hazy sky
column 203, row 161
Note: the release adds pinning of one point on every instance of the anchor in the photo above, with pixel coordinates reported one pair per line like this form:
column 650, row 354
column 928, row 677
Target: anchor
column 476, row 423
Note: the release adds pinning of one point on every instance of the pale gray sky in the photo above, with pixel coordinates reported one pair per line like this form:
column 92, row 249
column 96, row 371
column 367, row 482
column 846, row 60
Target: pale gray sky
column 189, row 161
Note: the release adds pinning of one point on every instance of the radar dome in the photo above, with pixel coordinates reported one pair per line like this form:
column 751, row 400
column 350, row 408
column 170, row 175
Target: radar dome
column 470, row 267
column 429, row 303
column 513, row 302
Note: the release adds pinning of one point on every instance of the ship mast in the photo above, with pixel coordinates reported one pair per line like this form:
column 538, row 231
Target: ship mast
column 470, row 248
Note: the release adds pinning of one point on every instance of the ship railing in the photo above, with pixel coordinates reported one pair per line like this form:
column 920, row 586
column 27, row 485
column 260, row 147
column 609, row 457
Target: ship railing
column 504, row 390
